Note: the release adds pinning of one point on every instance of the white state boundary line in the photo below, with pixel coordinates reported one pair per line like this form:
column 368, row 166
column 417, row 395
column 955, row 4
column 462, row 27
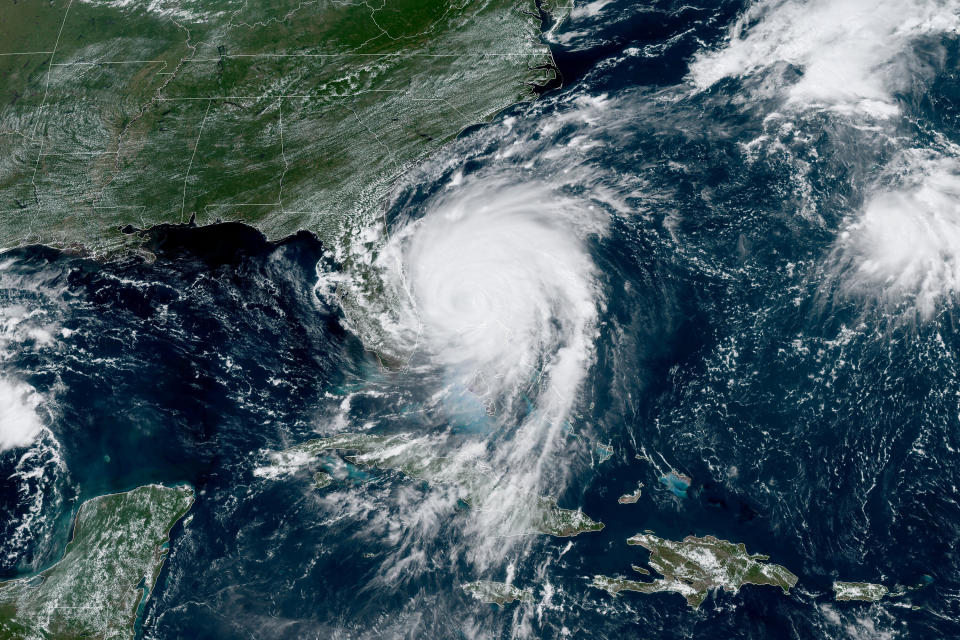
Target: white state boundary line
column 43, row 102
column 183, row 202
column 466, row 54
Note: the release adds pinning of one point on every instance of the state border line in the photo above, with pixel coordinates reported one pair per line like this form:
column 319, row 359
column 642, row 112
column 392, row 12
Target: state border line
column 304, row 55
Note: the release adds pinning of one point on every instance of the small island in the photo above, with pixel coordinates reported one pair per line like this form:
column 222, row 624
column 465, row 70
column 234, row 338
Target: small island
column 498, row 593
column 873, row 592
column 631, row 498
column 677, row 483
column 562, row 523
column 864, row 591
column 604, row 452
column 695, row 566
column 322, row 480
column 100, row 586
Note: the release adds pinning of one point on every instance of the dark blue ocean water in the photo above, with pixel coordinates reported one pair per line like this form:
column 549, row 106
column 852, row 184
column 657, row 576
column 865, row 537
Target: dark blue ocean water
column 818, row 422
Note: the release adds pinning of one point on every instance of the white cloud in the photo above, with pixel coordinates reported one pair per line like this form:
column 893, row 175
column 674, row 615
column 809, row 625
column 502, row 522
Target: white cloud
column 19, row 423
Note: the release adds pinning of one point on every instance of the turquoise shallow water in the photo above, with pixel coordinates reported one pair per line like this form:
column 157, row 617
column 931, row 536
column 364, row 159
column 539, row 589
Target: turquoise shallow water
column 678, row 486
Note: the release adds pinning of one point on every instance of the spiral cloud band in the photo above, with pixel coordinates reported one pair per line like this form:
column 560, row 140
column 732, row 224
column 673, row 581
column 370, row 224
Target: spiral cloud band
column 500, row 291
column 490, row 293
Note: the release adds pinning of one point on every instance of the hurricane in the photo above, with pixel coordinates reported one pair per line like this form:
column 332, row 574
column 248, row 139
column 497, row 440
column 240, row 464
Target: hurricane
column 487, row 292
column 902, row 251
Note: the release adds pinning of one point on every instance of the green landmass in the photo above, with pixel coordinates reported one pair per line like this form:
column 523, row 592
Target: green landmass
column 562, row 523
column 283, row 114
column 400, row 453
column 865, row 591
column 107, row 572
column 322, row 480
column 695, row 566
column 498, row 593
column 872, row 592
